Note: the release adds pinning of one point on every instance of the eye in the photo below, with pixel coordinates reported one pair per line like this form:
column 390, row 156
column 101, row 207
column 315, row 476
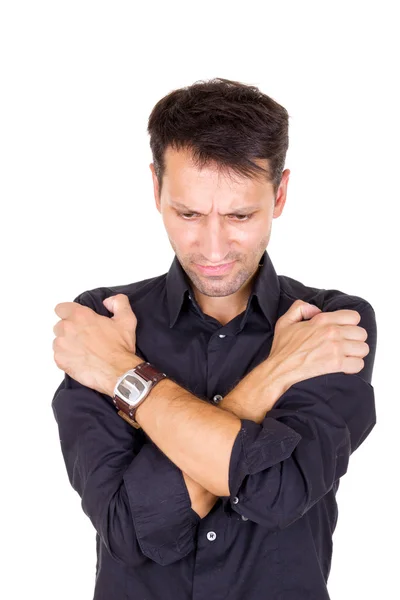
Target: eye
column 186, row 215
column 241, row 218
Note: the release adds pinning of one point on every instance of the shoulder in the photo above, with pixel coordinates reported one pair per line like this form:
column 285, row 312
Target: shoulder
column 329, row 300
column 326, row 299
column 138, row 292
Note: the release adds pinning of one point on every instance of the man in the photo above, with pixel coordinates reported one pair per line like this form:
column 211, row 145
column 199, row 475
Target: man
column 215, row 474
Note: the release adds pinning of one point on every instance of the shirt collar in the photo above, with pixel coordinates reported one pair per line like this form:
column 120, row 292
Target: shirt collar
column 266, row 289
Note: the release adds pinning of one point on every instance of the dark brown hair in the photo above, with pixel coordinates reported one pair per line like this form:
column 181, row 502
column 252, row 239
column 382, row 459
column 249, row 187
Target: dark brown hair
column 222, row 122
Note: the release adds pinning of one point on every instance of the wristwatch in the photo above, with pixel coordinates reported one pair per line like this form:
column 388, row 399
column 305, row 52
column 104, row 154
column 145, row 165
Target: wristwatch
column 133, row 387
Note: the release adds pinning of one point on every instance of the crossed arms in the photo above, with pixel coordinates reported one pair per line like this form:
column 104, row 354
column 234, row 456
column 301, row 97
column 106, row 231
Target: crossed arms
column 132, row 482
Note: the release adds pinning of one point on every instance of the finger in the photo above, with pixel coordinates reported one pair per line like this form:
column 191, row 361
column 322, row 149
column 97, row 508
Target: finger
column 353, row 332
column 353, row 348
column 63, row 309
column 58, row 328
column 68, row 310
column 343, row 316
column 298, row 311
column 120, row 306
column 352, row 364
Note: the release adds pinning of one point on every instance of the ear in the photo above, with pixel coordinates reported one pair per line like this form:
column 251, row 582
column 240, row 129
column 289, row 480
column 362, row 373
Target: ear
column 281, row 194
column 155, row 187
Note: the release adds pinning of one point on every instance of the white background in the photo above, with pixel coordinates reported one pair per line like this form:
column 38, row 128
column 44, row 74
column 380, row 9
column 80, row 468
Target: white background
column 79, row 80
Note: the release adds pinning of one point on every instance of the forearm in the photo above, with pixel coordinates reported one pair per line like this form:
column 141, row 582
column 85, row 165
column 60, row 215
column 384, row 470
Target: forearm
column 241, row 401
column 191, row 432
column 256, row 393
column 195, row 434
column 244, row 402
column 251, row 398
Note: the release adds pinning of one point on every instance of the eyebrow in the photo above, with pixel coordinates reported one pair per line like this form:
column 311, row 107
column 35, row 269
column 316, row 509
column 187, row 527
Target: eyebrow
column 241, row 209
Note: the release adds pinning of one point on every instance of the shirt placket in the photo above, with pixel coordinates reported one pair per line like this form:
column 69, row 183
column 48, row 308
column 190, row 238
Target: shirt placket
column 210, row 556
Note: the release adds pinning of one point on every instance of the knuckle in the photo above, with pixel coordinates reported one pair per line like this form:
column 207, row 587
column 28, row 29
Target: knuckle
column 320, row 317
column 331, row 331
column 85, row 312
column 333, row 348
column 66, row 326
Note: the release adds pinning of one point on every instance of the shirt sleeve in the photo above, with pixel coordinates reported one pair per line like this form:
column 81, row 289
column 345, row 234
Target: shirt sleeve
column 134, row 495
column 282, row 466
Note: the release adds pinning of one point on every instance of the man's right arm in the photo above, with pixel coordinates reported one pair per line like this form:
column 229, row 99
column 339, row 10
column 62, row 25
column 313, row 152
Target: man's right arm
column 138, row 500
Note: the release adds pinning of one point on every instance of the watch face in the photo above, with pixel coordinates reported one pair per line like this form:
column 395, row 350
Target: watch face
column 131, row 389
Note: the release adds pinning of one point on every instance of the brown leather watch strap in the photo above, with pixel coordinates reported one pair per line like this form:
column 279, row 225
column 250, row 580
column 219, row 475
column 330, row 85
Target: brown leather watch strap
column 149, row 373
column 128, row 420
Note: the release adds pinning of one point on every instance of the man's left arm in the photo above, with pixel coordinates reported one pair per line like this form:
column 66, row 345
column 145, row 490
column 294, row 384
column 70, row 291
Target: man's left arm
column 274, row 470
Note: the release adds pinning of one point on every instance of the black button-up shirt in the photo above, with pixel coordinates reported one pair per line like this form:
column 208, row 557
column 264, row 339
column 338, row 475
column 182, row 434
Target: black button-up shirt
column 272, row 537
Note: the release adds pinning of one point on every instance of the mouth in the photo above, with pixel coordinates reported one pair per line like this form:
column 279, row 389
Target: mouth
column 220, row 269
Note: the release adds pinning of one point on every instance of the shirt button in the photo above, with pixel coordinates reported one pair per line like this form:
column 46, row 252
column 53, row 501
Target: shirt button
column 221, row 335
column 217, row 398
column 211, row 535
column 235, row 500
column 244, row 518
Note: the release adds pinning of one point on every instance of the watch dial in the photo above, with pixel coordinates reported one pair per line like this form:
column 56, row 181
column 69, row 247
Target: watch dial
column 131, row 389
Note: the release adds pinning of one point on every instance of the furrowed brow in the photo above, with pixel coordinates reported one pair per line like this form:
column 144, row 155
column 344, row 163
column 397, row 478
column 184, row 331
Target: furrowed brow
column 240, row 209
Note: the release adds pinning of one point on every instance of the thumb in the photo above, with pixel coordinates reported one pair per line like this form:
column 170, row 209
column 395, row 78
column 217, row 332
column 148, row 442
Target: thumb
column 298, row 311
column 120, row 306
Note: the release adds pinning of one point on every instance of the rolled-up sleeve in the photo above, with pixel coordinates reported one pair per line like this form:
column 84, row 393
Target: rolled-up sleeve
column 134, row 495
column 281, row 467
column 164, row 520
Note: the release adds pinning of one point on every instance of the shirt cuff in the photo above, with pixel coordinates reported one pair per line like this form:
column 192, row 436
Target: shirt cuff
column 257, row 447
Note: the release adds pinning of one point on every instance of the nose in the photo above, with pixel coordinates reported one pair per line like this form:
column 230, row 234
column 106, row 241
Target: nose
column 214, row 242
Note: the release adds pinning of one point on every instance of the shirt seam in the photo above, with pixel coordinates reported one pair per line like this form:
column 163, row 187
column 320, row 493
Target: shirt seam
column 364, row 303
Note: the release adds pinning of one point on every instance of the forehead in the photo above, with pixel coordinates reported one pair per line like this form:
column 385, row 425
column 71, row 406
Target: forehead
column 182, row 173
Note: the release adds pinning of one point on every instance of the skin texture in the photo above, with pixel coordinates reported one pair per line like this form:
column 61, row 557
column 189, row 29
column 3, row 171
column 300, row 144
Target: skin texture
column 213, row 235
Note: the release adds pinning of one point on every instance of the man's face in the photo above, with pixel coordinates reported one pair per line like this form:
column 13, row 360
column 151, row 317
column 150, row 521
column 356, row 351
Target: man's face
column 212, row 219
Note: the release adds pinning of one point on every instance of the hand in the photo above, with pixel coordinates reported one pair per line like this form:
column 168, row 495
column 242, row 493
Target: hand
column 328, row 342
column 93, row 349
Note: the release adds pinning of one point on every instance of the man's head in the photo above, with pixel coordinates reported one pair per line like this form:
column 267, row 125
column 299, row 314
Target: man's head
column 219, row 150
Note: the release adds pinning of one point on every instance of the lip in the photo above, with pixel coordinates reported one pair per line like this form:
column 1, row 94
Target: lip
column 216, row 270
